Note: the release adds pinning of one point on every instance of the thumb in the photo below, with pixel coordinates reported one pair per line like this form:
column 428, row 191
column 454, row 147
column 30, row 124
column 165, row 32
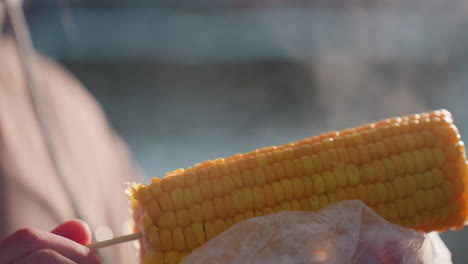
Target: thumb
column 75, row 230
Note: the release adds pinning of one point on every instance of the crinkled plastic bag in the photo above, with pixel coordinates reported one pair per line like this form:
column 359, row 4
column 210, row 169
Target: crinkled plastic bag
column 343, row 232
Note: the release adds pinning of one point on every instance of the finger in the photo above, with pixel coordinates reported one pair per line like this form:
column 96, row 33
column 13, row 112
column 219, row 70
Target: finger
column 75, row 230
column 45, row 256
column 28, row 240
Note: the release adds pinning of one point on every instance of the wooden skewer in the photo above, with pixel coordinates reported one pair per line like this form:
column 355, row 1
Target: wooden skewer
column 114, row 241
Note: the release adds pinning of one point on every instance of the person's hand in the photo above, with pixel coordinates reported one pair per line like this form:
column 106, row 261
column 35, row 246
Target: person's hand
column 63, row 245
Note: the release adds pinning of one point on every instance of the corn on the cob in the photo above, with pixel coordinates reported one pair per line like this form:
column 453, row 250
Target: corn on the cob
column 410, row 170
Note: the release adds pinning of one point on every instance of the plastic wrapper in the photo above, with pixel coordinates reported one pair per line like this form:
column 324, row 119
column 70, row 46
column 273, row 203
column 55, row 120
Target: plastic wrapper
column 343, row 232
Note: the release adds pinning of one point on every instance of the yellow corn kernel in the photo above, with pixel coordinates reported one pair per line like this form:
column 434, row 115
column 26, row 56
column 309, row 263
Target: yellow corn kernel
column 228, row 184
column 298, row 188
column 340, row 195
column 352, row 174
column 287, row 188
column 248, row 178
column 248, row 198
column 330, row 181
column 196, row 193
column 289, row 168
column 258, row 197
column 220, row 226
column 259, row 176
column 410, row 184
column 319, row 184
column 351, row 193
column 340, row 175
column 196, row 213
column 298, row 167
column 317, row 163
column 249, row 214
column 152, row 234
column 178, row 238
column 166, row 239
column 307, row 165
column 314, row 202
column 182, row 218
column 239, row 201
column 167, row 220
column 199, row 233
column 278, row 191
column 165, row 202
column 372, row 194
column 279, row 171
column 399, row 187
column 217, row 187
column 381, row 192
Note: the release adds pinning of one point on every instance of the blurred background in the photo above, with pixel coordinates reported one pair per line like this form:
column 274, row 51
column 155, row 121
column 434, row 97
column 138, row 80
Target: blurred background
column 186, row 81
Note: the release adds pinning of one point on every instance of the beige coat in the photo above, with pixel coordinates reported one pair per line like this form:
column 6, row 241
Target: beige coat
column 95, row 159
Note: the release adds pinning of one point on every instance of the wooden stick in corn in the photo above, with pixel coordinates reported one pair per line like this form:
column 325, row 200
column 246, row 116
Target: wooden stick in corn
column 410, row 170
